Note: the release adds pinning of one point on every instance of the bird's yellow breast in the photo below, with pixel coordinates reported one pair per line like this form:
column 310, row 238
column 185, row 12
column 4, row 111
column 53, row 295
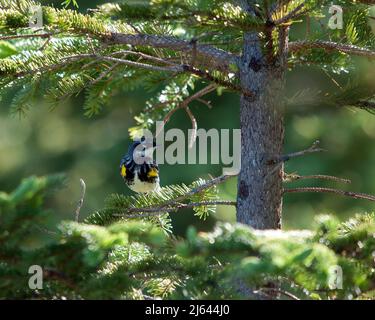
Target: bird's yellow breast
column 152, row 173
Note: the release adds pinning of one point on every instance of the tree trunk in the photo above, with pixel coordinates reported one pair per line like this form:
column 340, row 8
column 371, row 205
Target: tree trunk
column 259, row 199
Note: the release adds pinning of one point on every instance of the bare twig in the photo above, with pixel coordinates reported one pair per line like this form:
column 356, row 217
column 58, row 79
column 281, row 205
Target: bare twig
column 194, row 126
column 127, row 62
column 331, row 46
column 350, row 194
column 184, row 105
column 295, row 177
column 145, row 56
column 207, row 185
column 20, row 36
column 105, row 73
column 332, row 79
column 200, row 93
column 207, row 103
column 80, row 202
column 314, row 148
column 208, row 76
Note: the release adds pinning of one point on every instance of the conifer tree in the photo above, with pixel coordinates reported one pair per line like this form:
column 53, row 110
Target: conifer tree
column 240, row 46
column 126, row 250
column 138, row 259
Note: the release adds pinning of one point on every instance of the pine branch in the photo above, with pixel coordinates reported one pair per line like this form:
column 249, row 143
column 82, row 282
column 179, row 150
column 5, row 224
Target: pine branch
column 177, row 202
column 207, row 185
column 200, row 195
column 137, row 260
column 296, row 12
column 217, row 58
column 171, row 68
column 369, row 106
column 86, row 25
column 46, row 68
column 331, row 46
column 162, row 209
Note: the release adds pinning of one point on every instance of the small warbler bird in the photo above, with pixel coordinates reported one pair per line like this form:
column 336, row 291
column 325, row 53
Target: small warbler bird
column 139, row 171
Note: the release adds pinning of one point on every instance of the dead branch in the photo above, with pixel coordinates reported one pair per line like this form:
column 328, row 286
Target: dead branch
column 185, row 105
column 283, row 158
column 207, row 103
column 350, row 194
column 194, row 126
column 80, row 202
column 294, row 177
column 23, row 36
column 105, row 73
column 176, row 68
column 331, row 46
column 143, row 55
column 208, row 76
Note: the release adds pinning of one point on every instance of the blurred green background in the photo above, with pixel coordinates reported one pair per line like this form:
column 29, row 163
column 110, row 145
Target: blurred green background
column 64, row 140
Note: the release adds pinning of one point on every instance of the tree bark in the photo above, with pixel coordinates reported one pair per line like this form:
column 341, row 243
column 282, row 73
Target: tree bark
column 259, row 199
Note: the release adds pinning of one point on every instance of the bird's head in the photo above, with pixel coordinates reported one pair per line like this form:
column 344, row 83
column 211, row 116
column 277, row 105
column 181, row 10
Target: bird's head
column 141, row 149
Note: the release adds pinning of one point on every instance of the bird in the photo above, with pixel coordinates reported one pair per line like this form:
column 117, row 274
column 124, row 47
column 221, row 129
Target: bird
column 139, row 171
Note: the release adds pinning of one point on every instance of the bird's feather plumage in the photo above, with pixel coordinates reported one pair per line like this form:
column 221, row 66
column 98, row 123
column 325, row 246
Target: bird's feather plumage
column 139, row 177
